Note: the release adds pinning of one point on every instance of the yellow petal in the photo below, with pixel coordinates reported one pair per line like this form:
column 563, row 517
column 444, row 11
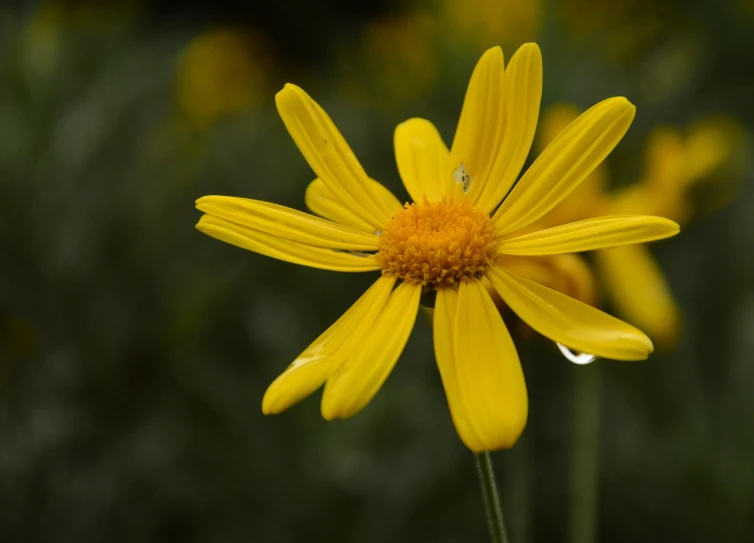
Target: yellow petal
column 590, row 234
column 675, row 161
column 422, row 159
column 443, row 326
column 712, row 143
column 589, row 199
column 480, row 369
column 566, row 162
column 568, row 321
column 665, row 160
column 312, row 367
column 324, row 203
column 567, row 273
column 523, row 93
column 283, row 249
column 480, row 128
column 639, row 291
column 329, row 155
column 286, row 223
column 356, row 382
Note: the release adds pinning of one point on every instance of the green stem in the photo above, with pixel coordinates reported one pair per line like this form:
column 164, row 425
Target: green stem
column 585, row 454
column 491, row 498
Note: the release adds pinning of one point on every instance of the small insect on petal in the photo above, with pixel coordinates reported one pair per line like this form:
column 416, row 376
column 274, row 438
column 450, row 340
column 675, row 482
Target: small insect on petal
column 460, row 175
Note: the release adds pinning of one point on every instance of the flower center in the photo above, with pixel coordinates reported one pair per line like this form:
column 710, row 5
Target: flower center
column 437, row 244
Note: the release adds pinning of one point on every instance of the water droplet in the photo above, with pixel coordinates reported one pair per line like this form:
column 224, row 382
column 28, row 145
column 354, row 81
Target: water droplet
column 581, row 359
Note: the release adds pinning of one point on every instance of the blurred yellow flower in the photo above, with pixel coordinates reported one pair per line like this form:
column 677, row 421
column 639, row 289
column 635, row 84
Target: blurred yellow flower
column 675, row 163
column 52, row 23
column 42, row 37
column 391, row 47
column 622, row 29
column 448, row 242
column 408, row 43
column 221, row 73
column 482, row 23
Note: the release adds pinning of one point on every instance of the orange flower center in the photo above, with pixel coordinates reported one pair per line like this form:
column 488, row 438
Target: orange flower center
column 437, row 244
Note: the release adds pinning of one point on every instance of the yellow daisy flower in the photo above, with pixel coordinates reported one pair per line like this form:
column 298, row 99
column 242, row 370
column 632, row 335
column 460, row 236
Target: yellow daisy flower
column 447, row 242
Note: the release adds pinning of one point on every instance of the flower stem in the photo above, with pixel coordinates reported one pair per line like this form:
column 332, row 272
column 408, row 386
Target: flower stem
column 585, row 455
column 491, row 498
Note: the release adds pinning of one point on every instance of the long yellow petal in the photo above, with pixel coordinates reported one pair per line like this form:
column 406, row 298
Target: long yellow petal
column 480, row 369
column 565, row 163
column 587, row 200
column 665, row 160
column 283, row 249
column 523, row 94
column 312, row 367
column 443, row 326
column 324, row 203
column 569, row 274
column 480, row 128
column 590, row 234
column 329, row 155
column 286, row 223
column 422, row 159
column 713, row 143
column 639, row 291
column 568, row 321
column 356, row 382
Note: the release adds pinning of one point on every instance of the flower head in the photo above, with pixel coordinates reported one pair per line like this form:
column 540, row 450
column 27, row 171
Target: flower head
column 437, row 244
column 451, row 240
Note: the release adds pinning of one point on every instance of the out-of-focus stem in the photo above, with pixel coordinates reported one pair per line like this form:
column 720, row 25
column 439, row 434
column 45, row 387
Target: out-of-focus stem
column 585, row 450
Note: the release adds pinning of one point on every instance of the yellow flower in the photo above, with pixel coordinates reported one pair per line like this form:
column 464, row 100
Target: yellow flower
column 391, row 47
column 484, row 22
column 53, row 25
column 623, row 29
column 221, row 73
column 446, row 242
column 674, row 164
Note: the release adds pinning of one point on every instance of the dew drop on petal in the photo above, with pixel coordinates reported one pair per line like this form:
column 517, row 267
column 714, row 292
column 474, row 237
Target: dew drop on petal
column 581, row 359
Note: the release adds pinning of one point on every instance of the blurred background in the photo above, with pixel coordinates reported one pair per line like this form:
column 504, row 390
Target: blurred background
column 134, row 351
